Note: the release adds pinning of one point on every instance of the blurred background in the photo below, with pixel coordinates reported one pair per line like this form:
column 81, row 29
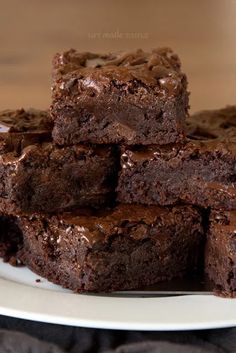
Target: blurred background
column 203, row 33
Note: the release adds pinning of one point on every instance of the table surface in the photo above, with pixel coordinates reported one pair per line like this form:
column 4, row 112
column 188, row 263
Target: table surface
column 202, row 32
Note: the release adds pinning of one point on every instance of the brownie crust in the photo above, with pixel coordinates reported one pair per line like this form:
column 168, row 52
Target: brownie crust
column 128, row 247
column 200, row 171
column 220, row 254
column 131, row 98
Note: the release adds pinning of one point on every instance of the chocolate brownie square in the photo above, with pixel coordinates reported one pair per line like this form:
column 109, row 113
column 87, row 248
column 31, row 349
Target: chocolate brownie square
column 201, row 171
column 132, row 98
column 124, row 248
column 220, row 255
column 37, row 176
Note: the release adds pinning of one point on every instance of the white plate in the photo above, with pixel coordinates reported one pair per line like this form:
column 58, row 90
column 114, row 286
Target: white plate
column 21, row 296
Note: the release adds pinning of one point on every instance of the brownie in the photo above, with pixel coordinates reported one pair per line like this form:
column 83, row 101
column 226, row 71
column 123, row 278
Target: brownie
column 220, row 255
column 132, row 98
column 38, row 176
column 200, row 171
column 11, row 239
column 124, row 248
column 28, row 121
column 20, row 128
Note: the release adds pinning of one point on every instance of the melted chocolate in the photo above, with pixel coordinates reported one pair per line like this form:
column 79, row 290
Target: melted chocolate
column 159, row 68
column 96, row 226
column 227, row 219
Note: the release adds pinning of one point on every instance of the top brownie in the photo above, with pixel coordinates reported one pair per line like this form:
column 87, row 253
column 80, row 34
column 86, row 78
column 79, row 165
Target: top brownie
column 130, row 98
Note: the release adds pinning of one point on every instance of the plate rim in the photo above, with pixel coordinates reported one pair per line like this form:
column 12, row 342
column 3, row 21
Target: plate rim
column 58, row 307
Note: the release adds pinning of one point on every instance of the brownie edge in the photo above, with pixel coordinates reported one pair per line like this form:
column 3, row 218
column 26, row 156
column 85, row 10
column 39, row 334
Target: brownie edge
column 11, row 240
column 39, row 176
column 128, row 247
column 200, row 171
column 45, row 178
column 220, row 255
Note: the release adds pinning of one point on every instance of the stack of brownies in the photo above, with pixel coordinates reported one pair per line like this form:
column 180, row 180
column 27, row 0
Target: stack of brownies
column 116, row 188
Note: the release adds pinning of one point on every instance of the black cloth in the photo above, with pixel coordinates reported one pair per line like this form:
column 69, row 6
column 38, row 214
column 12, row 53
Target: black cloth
column 22, row 336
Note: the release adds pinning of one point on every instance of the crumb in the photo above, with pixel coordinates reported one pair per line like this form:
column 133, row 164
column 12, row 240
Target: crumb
column 12, row 261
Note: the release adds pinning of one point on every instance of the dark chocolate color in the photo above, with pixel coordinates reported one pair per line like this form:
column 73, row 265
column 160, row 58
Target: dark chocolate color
column 128, row 247
column 132, row 98
column 27, row 121
column 20, row 128
column 11, row 239
column 213, row 125
column 37, row 176
column 220, row 255
column 200, row 171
